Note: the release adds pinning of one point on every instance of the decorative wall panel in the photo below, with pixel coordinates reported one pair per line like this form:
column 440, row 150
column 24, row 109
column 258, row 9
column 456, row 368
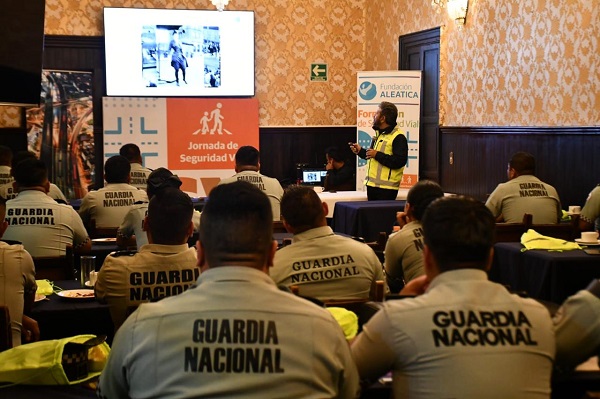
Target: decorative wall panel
column 515, row 63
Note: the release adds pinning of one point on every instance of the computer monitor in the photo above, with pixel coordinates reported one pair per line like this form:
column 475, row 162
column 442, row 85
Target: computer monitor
column 314, row 177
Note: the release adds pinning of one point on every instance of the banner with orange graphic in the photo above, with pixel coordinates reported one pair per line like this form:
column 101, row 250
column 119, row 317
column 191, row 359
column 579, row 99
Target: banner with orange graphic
column 403, row 89
column 195, row 138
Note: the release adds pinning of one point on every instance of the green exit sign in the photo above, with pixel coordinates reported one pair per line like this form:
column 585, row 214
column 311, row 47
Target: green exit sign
column 318, row 72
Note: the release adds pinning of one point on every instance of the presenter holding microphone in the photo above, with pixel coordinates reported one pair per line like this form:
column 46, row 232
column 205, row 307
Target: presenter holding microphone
column 387, row 155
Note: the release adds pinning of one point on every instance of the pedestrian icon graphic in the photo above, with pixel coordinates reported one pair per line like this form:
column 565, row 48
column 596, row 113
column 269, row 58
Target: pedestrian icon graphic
column 216, row 118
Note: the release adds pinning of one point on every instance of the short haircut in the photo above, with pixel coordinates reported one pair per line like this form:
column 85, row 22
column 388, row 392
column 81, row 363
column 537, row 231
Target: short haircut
column 301, row 207
column 6, row 155
column 390, row 112
column 236, row 224
column 523, row 163
column 335, row 153
column 116, row 169
column 169, row 216
column 421, row 195
column 30, row 172
column 459, row 232
column 159, row 179
column 131, row 152
column 21, row 156
column 247, row 155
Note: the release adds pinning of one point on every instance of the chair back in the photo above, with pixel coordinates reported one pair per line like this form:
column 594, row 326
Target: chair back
column 5, row 329
column 363, row 308
column 568, row 231
column 512, row 232
column 379, row 245
column 53, row 269
column 101, row 232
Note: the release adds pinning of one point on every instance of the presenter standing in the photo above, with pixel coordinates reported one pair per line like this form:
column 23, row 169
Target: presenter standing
column 387, row 155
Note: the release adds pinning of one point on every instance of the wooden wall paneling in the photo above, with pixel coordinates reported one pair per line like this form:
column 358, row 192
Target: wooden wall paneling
column 281, row 148
column 566, row 157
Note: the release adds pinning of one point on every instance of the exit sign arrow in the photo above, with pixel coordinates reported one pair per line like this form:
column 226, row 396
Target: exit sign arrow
column 318, row 72
column 316, row 69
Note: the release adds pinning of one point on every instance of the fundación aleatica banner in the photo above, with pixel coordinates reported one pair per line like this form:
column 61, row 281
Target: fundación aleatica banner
column 402, row 88
column 195, row 138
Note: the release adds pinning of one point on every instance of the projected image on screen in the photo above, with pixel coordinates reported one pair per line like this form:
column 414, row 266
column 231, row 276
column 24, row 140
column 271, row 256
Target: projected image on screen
column 181, row 55
column 178, row 53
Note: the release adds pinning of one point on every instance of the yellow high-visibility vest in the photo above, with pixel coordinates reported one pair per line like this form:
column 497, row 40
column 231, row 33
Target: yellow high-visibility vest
column 379, row 175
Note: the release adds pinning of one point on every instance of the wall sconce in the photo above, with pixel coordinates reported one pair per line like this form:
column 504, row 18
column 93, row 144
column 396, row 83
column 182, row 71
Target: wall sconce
column 457, row 9
column 220, row 4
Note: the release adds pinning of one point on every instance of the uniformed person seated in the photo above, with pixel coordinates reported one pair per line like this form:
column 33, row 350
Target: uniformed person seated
column 108, row 205
column 132, row 224
column 247, row 168
column 44, row 226
column 577, row 328
column 341, row 175
column 164, row 267
column 139, row 174
column 9, row 189
column 17, row 288
column 234, row 335
column 524, row 193
column 588, row 219
column 465, row 337
column 404, row 248
column 323, row 265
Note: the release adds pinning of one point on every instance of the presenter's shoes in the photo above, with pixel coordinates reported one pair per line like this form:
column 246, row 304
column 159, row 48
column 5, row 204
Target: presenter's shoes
column 177, row 83
column 185, row 81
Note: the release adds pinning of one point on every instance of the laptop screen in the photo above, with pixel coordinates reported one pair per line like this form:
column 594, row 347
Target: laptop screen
column 314, row 177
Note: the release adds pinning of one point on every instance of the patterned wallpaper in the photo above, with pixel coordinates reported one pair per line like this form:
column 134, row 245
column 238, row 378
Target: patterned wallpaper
column 516, row 63
column 529, row 62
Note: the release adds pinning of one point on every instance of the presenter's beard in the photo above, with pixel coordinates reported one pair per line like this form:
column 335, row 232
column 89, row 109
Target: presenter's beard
column 375, row 125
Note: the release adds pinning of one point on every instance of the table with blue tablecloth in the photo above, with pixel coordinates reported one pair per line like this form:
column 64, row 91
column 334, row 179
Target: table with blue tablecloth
column 366, row 219
column 60, row 317
column 547, row 275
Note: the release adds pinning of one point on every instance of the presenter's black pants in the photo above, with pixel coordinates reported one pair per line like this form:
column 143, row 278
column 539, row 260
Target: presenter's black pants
column 381, row 194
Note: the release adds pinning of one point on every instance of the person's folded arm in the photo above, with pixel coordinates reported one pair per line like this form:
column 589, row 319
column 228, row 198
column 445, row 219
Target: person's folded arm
column 399, row 155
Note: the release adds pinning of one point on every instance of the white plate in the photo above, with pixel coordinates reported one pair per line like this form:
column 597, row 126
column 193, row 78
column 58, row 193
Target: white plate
column 580, row 241
column 39, row 297
column 89, row 284
column 76, row 294
column 104, row 240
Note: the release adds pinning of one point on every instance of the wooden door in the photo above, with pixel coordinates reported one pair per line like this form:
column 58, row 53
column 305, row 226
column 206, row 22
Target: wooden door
column 421, row 52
